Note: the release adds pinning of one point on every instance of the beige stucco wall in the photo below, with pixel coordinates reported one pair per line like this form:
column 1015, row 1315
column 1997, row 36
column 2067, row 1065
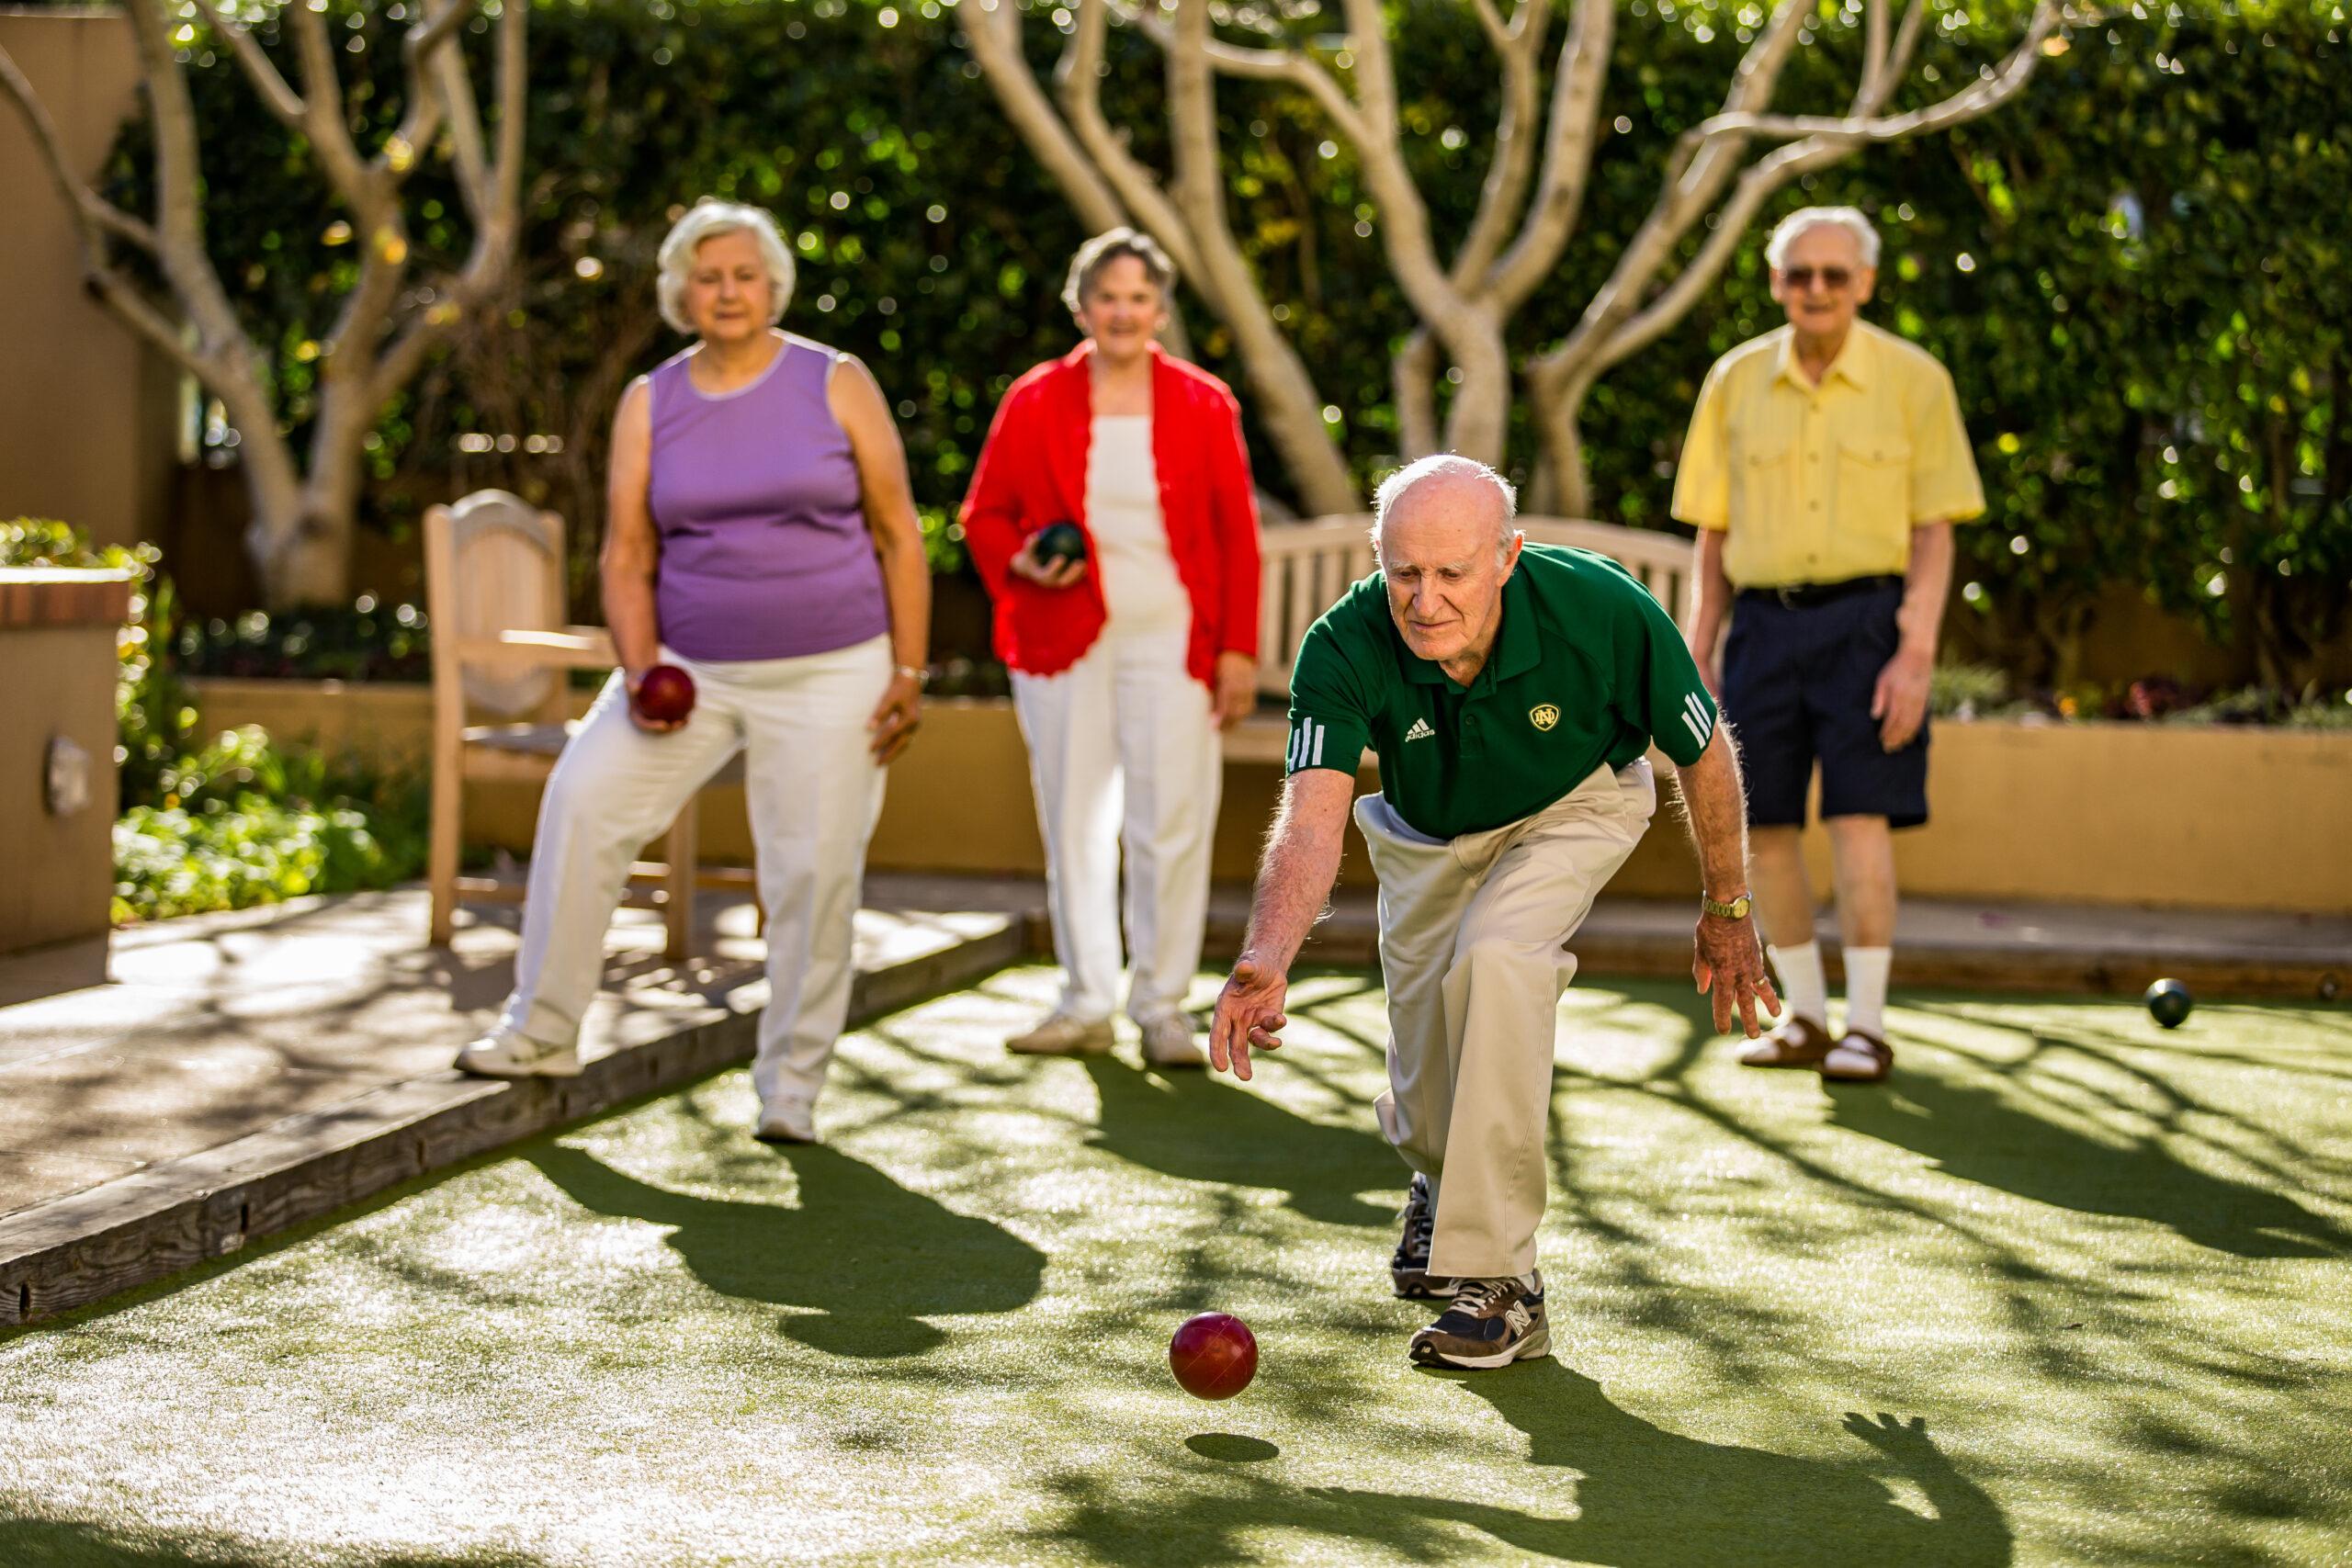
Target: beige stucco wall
column 86, row 409
column 2096, row 813
column 56, row 872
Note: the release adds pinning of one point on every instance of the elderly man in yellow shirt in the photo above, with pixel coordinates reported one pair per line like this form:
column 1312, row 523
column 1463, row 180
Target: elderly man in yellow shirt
column 1825, row 466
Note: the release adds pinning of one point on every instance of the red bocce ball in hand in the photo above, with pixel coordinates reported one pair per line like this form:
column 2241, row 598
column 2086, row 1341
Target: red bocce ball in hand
column 665, row 693
column 1213, row 1355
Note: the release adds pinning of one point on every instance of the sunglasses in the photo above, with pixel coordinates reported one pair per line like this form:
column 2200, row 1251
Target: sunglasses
column 1801, row 278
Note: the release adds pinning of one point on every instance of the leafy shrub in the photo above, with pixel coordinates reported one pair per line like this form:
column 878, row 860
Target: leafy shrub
column 241, row 822
column 362, row 641
column 1969, row 690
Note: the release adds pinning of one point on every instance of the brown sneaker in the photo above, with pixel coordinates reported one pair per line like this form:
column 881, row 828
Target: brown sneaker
column 1062, row 1035
column 1799, row 1042
column 1859, row 1058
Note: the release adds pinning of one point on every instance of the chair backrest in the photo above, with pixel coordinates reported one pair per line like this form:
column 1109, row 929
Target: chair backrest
column 1308, row 565
column 493, row 563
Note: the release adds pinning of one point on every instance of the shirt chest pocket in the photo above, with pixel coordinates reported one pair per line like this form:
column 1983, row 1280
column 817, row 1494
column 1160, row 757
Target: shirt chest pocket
column 1764, row 467
column 1874, row 480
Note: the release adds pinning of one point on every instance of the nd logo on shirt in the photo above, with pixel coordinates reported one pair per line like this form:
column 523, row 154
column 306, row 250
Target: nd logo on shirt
column 1543, row 715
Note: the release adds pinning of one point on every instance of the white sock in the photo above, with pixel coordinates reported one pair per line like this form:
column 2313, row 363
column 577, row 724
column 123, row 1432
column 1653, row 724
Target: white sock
column 1866, row 970
column 1804, row 990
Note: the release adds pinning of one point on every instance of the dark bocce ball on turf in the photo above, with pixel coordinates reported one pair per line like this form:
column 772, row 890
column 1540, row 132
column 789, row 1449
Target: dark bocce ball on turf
column 665, row 693
column 1058, row 542
column 1213, row 1355
column 2169, row 1003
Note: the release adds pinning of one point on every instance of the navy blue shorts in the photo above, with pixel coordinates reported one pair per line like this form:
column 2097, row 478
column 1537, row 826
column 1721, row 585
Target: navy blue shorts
column 1797, row 686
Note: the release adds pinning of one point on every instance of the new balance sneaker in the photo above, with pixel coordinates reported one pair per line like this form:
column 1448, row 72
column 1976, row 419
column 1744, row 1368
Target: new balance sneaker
column 1409, row 1269
column 1062, row 1035
column 1492, row 1322
column 504, row 1053
column 1169, row 1042
column 785, row 1123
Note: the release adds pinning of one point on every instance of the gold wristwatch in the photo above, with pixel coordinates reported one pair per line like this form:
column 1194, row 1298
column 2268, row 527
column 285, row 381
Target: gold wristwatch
column 1734, row 910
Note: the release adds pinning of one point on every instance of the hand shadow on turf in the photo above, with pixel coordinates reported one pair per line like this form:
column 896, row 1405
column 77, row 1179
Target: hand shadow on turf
column 1984, row 1136
column 1649, row 1498
column 1189, row 1125
column 870, row 1258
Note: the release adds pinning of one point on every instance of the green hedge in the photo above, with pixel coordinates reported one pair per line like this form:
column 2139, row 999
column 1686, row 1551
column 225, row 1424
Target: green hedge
column 2137, row 272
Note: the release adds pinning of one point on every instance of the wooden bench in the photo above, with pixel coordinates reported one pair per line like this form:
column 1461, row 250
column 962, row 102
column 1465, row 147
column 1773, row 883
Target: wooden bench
column 1308, row 566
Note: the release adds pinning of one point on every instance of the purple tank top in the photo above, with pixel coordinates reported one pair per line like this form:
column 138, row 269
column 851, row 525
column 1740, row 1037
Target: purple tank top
column 765, row 549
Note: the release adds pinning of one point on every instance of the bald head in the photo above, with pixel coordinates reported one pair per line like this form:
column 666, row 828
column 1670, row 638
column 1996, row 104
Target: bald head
column 1455, row 492
column 1443, row 530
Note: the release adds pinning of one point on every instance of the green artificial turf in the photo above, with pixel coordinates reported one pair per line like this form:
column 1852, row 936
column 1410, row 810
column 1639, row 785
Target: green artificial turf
column 2071, row 1289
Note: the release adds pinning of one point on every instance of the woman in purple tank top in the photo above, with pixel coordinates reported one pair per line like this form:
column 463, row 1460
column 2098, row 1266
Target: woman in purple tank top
column 761, row 536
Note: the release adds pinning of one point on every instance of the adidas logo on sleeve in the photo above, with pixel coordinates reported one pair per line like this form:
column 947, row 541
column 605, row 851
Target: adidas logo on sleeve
column 1696, row 719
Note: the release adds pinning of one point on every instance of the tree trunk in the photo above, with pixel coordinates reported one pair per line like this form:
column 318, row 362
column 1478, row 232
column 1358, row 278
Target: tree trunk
column 1478, row 425
column 1413, row 375
column 1562, row 487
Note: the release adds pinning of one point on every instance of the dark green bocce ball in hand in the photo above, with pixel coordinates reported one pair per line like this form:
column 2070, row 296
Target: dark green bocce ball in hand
column 1058, row 542
column 2169, row 1003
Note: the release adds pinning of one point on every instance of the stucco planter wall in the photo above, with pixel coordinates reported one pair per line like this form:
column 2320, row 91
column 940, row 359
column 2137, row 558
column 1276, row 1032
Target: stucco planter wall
column 58, row 786
column 2140, row 815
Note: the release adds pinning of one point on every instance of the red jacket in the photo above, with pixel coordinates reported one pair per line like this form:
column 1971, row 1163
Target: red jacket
column 1032, row 473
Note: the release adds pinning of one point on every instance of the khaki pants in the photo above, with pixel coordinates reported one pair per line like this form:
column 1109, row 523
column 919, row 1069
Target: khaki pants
column 1473, row 947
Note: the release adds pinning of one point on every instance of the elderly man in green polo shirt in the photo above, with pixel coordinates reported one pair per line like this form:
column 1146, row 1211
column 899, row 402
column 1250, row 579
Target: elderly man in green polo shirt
column 1511, row 692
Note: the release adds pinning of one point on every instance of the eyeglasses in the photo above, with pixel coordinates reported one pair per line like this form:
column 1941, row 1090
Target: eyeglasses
column 1800, row 278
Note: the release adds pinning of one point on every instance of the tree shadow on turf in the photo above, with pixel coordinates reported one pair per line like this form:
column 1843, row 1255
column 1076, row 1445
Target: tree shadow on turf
column 1645, row 1498
column 870, row 1258
column 71, row 1543
column 1191, row 1126
column 1981, row 1135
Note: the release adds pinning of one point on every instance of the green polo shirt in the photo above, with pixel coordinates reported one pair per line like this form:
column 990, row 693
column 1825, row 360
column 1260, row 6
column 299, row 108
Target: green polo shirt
column 1587, row 669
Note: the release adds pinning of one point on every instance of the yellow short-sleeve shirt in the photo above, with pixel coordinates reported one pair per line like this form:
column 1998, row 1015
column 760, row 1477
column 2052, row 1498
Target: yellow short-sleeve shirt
column 1821, row 483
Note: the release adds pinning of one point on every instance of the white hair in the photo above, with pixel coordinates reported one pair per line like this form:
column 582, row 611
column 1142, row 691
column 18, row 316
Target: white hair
column 706, row 220
column 1850, row 219
column 1392, row 491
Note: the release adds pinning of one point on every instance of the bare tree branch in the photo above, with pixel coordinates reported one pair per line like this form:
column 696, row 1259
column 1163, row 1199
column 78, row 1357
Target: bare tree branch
column 276, row 95
column 1567, row 154
column 991, row 30
column 96, row 216
column 1984, row 94
column 1519, row 46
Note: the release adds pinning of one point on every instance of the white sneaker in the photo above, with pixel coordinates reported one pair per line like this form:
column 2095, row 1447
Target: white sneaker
column 1062, row 1035
column 504, row 1053
column 1169, row 1042
column 786, row 1123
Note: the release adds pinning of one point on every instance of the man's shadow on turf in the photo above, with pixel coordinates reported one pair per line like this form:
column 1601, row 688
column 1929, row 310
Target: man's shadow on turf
column 1188, row 1125
column 1982, row 1135
column 871, row 1258
column 1649, row 1498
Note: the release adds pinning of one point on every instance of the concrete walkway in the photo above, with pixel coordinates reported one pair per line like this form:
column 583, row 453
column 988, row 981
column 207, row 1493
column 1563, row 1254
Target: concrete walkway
column 242, row 1073
column 245, row 1072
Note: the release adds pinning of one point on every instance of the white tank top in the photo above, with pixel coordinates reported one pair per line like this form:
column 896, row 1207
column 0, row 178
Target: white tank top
column 1139, row 583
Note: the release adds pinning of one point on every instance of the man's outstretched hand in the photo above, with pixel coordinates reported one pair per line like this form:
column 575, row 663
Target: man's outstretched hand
column 1249, row 1012
column 1728, row 960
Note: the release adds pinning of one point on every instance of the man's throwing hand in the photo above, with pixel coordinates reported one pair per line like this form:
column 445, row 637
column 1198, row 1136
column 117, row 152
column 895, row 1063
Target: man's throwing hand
column 1249, row 1012
column 1728, row 960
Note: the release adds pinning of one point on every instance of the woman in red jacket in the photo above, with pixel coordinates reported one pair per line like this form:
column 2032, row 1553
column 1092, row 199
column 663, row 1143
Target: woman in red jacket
column 1126, row 661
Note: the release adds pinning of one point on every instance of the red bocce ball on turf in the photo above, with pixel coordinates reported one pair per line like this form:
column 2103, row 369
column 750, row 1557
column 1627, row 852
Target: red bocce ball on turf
column 1213, row 1355
column 665, row 693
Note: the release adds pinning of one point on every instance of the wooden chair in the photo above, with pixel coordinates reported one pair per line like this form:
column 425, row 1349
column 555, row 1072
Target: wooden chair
column 494, row 593
column 1306, row 567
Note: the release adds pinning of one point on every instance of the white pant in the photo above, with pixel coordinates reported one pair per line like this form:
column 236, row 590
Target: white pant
column 1474, row 936
column 1124, row 755
column 813, row 792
